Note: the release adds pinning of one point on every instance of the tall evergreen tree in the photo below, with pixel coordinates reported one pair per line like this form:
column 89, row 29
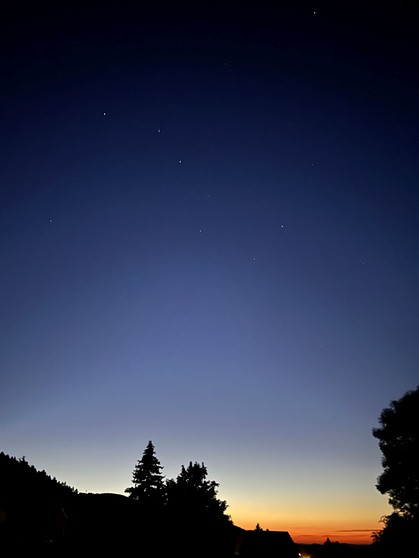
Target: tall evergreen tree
column 149, row 487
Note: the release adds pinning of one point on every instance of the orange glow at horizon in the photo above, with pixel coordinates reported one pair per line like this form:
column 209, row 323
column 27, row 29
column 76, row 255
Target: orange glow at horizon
column 308, row 527
column 339, row 516
column 357, row 536
column 318, row 534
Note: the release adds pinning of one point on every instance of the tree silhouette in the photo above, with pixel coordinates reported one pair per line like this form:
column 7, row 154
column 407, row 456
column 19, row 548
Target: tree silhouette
column 149, row 488
column 196, row 515
column 191, row 491
column 398, row 437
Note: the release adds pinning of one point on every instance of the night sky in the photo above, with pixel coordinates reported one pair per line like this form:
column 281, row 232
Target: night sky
column 209, row 239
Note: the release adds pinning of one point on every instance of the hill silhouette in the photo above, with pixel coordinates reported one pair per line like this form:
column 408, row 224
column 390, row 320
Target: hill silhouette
column 41, row 514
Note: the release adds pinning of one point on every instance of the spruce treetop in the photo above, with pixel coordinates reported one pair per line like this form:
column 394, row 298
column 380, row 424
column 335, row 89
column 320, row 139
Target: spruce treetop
column 148, row 481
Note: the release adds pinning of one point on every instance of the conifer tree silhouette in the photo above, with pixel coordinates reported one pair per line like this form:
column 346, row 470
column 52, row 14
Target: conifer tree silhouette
column 149, row 486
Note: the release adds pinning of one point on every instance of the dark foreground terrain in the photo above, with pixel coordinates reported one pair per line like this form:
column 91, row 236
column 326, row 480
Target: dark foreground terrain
column 39, row 515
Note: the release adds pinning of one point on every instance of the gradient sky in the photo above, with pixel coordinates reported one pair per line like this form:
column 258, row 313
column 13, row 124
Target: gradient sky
column 209, row 239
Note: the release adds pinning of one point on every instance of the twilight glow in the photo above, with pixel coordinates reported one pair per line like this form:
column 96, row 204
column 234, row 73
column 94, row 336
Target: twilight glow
column 209, row 240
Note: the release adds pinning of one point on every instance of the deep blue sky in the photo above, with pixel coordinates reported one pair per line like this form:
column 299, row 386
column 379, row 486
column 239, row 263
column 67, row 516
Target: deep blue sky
column 209, row 239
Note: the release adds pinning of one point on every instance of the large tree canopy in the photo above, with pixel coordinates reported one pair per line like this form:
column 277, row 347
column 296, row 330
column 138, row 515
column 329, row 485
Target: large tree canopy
column 398, row 438
column 196, row 515
column 191, row 494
